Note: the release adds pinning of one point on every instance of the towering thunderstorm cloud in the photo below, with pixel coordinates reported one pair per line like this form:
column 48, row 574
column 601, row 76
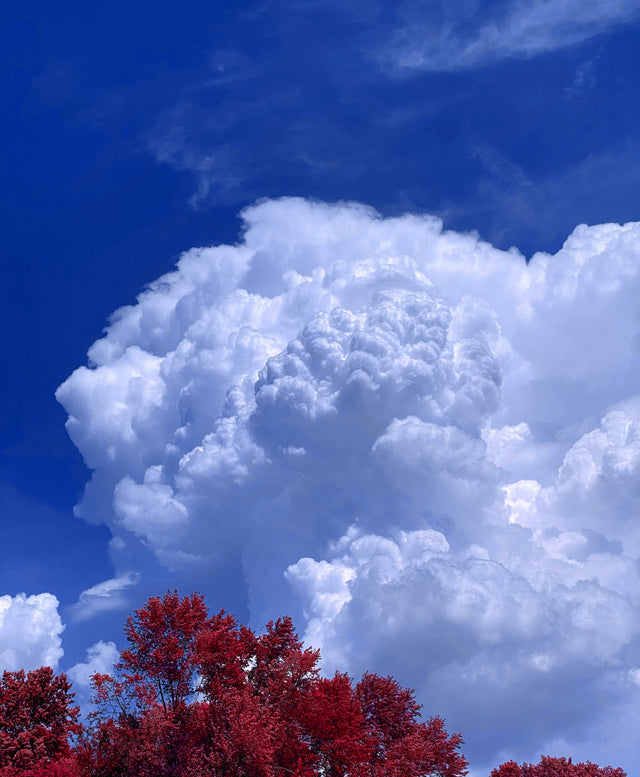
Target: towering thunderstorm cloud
column 429, row 445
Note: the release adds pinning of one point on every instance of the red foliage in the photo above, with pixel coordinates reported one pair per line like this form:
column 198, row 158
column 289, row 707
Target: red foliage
column 36, row 720
column 403, row 746
column 65, row 767
column 196, row 696
column 335, row 724
column 162, row 637
column 200, row 696
column 508, row 769
column 556, row 767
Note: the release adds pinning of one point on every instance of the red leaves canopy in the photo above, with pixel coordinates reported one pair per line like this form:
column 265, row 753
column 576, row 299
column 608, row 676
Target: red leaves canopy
column 162, row 643
column 556, row 767
column 200, row 696
column 36, row 719
column 402, row 746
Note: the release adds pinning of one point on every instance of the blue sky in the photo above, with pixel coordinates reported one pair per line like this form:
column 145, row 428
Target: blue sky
column 341, row 383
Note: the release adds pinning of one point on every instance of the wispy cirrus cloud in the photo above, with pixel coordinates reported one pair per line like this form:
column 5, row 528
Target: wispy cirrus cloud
column 478, row 36
column 514, row 205
column 104, row 597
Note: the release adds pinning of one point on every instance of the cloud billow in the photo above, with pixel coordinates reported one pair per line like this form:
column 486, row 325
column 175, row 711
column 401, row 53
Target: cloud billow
column 429, row 445
column 30, row 632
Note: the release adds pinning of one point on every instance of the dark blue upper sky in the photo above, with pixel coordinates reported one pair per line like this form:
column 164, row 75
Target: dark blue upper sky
column 133, row 131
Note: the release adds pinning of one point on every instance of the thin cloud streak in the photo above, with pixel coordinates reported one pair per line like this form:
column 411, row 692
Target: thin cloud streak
column 520, row 31
column 104, row 597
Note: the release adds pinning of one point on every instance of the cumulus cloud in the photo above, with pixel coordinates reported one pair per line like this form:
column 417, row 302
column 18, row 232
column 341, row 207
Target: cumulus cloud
column 30, row 632
column 104, row 597
column 482, row 36
column 487, row 644
column 437, row 440
column 101, row 657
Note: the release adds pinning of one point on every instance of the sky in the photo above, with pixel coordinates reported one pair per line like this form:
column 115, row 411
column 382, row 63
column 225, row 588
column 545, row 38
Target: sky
column 331, row 310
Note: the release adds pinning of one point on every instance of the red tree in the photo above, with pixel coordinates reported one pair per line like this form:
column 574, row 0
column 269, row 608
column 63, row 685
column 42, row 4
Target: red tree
column 272, row 670
column 200, row 696
column 556, row 767
column 162, row 638
column 401, row 744
column 36, row 720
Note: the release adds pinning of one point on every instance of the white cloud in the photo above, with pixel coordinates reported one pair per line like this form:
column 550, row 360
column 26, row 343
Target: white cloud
column 513, row 29
column 491, row 637
column 436, row 438
column 104, row 597
column 412, row 590
column 546, row 607
column 101, row 657
column 30, row 632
